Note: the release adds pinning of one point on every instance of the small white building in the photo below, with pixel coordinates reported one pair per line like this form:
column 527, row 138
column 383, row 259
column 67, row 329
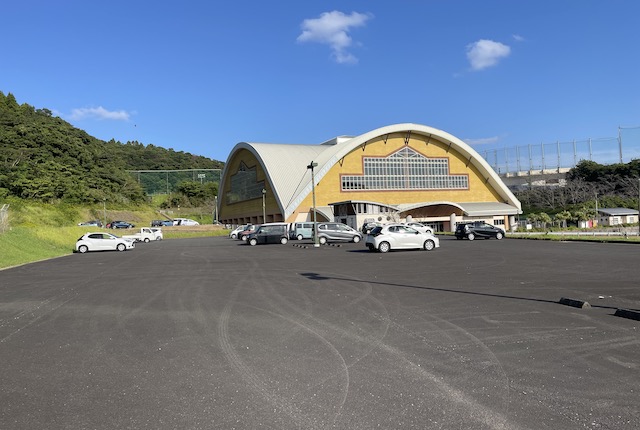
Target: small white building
column 617, row 216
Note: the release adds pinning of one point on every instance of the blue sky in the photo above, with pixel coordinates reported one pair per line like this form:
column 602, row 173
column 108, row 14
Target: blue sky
column 201, row 76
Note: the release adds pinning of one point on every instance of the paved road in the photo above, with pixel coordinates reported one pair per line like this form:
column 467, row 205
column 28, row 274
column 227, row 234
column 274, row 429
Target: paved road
column 211, row 334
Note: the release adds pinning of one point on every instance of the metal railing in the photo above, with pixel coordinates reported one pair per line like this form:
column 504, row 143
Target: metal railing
column 166, row 181
column 561, row 156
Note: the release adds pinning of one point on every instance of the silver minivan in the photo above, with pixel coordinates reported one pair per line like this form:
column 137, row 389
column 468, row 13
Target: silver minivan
column 336, row 231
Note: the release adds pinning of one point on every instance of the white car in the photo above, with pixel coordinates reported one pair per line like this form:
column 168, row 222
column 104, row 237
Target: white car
column 103, row 242
column 233, row 234
column 184, row 221
column 399, row 236
column 420, row 227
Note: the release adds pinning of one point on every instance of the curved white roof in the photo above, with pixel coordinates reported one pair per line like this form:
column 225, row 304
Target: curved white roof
column 290, row 178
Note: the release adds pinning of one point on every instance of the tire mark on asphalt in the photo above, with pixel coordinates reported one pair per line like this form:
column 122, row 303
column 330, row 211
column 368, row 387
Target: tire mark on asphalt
column 308, row 318
column 251, row 377
column 470, row 407
column 29, row 317
column 489, row 417
column 303, row 317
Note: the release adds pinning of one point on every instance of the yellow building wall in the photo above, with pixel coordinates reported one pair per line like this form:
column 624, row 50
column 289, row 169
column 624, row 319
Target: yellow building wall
column 328, row 189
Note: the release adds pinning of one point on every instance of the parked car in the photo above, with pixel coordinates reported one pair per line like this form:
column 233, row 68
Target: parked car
column 301, row 230
column 400, row 236
column 420, row 227
column 336, row 231
column 233, row 234
column 161, row 222
column 276, row 232
column 478, row 229
column 99, row 241
column 251, row 228
column 120, row 224
column 369, row 224
column 184, row 221
column 146, row 234
column 93, row 223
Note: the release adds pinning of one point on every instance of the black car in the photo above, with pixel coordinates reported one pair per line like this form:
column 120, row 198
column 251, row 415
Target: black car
column 478, row 229
column 269, row 233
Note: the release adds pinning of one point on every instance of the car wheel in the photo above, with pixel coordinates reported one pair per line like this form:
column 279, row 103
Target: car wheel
column 244, row 238
column 499, row 235
column 299, row 237
column 233, row 236
column 471, row 236
column 283, row 240
column 82, row 249
column 121, row 247
column 429, row 245
column 356, row 239
column 253, row 241
column 147, row 240
column 384, row 247
column 322, row 240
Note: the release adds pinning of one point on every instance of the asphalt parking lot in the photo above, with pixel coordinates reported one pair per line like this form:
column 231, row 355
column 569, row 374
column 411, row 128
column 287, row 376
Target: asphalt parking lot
column 214, row 334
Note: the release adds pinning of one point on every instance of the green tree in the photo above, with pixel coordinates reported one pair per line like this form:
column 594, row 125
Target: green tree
column 562, row 217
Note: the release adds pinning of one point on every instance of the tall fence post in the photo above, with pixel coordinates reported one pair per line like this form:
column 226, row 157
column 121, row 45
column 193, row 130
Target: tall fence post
column 4, row 218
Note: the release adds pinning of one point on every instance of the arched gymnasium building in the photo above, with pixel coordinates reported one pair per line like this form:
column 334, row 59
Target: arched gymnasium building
column 394, row 173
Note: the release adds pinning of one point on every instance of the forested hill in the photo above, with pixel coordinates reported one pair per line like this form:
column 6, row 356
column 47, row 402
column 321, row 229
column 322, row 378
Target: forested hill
column 45, row 158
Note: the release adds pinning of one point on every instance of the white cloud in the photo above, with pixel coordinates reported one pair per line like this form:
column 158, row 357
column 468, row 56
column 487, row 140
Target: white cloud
column 486, row 53
column 332, row 28
column 482, row 141
column 518, row 38
column 98, row 113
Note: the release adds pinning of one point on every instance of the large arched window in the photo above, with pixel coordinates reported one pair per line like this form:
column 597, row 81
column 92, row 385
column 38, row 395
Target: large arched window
column 244, row 185
column 405, row 169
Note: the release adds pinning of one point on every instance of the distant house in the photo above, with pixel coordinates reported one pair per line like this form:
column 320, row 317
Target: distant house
column 617, row 216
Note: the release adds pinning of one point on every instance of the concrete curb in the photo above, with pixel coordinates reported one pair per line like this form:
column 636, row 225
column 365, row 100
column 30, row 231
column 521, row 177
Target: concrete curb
column 626, row 313
column 574, row 303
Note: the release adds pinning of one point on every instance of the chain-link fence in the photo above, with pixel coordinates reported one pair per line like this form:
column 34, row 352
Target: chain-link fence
column 558, row 156
column 166, row 181
column 4, row 218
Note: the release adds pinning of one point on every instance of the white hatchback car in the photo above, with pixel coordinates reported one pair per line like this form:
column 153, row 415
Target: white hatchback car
column 184, row 221
column 399, row 236
column 103, row 242
column 420, row 227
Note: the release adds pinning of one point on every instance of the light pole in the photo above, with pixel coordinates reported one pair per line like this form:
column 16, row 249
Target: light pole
column 104, row 211
column 215, row 209
column 596, row 221
column 313, row 192
column 264, row 211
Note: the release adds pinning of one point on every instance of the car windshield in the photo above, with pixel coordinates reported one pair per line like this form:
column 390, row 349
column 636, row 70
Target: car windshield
column 376, row 230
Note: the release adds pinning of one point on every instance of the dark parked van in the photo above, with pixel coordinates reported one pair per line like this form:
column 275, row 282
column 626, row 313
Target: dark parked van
column 275, row 232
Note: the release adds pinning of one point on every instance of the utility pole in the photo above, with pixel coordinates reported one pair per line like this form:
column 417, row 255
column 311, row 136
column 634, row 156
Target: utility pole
column 313, row 192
